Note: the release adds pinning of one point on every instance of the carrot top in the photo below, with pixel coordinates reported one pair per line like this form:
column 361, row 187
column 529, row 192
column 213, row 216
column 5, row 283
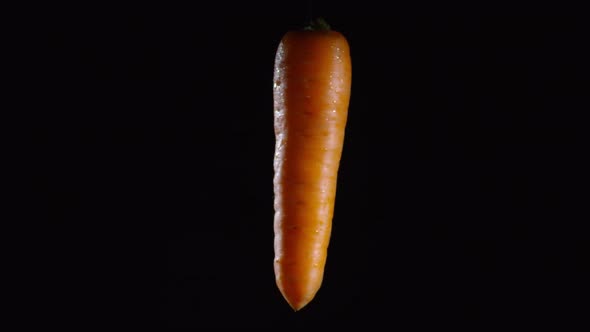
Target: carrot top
column 319, row 24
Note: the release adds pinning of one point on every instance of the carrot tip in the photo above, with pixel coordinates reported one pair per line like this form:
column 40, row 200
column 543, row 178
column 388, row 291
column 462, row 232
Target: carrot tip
column 296, row 306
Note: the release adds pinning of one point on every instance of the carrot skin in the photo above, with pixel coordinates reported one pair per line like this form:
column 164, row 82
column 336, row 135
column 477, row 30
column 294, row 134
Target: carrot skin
column 312, row 82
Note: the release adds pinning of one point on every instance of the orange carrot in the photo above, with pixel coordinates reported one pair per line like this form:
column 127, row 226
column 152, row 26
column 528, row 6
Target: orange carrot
column 312, row 82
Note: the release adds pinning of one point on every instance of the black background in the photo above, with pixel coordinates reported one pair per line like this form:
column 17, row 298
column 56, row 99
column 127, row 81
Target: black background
column 461, row 189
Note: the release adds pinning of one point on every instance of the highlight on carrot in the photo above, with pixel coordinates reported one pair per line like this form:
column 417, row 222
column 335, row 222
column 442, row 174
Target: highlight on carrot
column 311, row 94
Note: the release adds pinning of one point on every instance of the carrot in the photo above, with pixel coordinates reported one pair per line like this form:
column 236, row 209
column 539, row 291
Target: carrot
column 312, row 82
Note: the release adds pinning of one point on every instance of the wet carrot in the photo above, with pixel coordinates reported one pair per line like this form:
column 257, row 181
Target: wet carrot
column 312, row 82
